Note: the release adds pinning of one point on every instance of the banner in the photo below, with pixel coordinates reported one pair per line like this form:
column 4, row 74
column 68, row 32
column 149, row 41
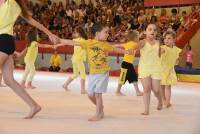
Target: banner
column 150, row 3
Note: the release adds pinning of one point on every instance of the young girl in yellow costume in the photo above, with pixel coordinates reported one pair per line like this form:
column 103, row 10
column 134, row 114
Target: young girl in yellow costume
column 149, row 68
column 78, row 59
column 168, row 60
column 30, row 58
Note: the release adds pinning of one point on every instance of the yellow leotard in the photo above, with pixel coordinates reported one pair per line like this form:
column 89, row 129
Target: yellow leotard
column 149, row 64
column 168, row 61
column 9, row 11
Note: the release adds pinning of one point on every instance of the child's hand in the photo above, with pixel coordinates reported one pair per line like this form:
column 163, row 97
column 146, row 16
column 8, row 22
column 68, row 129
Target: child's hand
column 55, row 47
column 55, row 39
column 16, row 55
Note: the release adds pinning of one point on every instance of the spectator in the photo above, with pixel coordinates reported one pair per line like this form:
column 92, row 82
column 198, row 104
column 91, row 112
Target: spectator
column 55, row 62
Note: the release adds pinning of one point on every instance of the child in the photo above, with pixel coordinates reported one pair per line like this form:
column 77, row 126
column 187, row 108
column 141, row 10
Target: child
column 168, row 61
column 189, row 57
column 127, row 69
column 97, row 50
column 149, row 68
column 55, row 61
column 29, row 59
column 78, row 59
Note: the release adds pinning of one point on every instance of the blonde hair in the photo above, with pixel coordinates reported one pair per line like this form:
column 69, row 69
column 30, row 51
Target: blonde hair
column 132, row 35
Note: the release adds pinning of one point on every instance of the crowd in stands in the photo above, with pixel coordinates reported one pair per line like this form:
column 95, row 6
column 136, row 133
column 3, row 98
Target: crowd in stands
column 120, row 16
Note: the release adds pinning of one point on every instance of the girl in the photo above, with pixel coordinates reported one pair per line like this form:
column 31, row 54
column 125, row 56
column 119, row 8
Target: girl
column 189, row 57
column 168, row 60
column 149, row 68
column 9, row 12
column 78, row 59
column 29, row 59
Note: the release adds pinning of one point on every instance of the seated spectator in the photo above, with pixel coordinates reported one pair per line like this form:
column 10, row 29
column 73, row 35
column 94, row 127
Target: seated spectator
column 183, row 17
column 164, row 18
column 55, row 62
column 175, row 19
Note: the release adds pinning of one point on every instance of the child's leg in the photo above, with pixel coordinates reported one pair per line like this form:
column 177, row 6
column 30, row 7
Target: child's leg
column 1, row 78
column 30, row 77
column 92, row 98
column 17, row 88
column 121, row 81
column 99, row 108
column 70, row 79
column 24, row 77
column 65, row 85
column 162, row 91
column 81, row 69
column 83, row 86
column 138, row 92
column 118, row 92
column 157, row 93
column 168, row 95
column 146, row 83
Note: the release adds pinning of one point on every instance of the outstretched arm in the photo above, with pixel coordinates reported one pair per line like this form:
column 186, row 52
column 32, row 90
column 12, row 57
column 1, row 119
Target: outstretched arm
column 122, row 51
column 45, row 46
column 66, row 42
column 39, row 26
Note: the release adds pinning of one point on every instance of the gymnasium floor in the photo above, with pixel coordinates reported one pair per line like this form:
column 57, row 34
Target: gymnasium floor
column 67, row 112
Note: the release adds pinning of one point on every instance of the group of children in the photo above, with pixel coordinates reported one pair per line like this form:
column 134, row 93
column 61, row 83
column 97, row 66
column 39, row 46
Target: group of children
column 155, row 69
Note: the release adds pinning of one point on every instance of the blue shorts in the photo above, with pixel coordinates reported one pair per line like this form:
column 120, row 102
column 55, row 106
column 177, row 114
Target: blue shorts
column 98, row 83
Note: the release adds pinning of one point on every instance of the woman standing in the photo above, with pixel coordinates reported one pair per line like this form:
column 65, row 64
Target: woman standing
column 9, row 12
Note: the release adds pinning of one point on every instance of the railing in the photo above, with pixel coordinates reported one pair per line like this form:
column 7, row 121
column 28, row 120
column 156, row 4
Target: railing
column 188, row 29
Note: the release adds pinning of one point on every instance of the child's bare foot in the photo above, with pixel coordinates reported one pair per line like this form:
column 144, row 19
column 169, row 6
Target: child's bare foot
column 1, row 85
column 145, row 113
column 102, row 115
column 66, row 89
column 120, row 94
column 96, row 117
column 160, row 106
column 83, row 92
column 139, row 93
column 23, row 85
column 33, row 112
column 30, row 87
column 168, row 105
column 164, row 102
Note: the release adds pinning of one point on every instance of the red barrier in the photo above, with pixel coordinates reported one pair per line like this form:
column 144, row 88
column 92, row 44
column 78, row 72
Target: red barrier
column 188, row 29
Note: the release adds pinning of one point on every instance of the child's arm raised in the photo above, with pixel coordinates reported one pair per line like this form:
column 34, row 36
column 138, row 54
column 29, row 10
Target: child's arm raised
column 69, row 42
column 122, row 51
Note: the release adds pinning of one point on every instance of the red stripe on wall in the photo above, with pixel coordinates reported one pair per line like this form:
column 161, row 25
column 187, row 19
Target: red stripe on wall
column 149, row 3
